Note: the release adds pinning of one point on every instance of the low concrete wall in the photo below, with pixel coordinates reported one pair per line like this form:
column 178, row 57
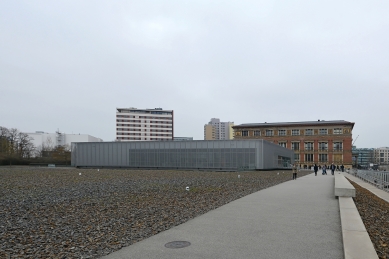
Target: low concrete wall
column 356, row 240
column 343, row 188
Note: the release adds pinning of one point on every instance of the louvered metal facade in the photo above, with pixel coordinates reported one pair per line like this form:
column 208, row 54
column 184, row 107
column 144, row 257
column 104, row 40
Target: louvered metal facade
column 199, row 154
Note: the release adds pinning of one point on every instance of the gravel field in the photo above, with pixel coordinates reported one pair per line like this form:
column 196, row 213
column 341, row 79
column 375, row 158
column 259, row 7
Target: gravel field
column 375, row 215
column 58, row 213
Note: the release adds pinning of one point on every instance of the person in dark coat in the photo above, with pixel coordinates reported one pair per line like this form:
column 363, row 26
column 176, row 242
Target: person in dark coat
column 342, row 168
column 294, row 168
column 332, row 167
column 315, row 168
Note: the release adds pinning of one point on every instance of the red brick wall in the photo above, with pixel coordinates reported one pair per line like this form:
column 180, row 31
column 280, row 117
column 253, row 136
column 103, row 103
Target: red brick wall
column 330, row 139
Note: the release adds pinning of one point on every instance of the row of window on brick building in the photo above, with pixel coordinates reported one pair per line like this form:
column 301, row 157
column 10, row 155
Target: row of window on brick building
column 294, row 132
column 309, row 145
column 321, row 158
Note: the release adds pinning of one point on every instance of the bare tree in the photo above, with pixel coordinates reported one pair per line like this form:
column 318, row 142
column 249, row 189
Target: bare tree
column 38, row 151
column 47, row 147
column 25, row 146
column 49, row 144
column 14, row 143
column 4, row 140
column 13, row 139
column 67, row 148
column 3, row 132
column 62, row 153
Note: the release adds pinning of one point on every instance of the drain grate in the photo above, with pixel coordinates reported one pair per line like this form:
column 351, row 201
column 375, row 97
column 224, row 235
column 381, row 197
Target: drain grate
column 177, row 244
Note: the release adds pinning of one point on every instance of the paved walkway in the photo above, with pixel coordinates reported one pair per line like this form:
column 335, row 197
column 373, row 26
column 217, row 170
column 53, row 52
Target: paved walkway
column 296, row 219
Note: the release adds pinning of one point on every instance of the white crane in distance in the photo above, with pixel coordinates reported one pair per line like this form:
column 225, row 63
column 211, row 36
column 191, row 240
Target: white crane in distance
column 354, row 140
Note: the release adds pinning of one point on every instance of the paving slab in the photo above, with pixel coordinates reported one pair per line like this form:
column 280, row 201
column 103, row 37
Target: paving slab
column 343, row 188
column 296, row 219
column 356, row 246
column 350, row 218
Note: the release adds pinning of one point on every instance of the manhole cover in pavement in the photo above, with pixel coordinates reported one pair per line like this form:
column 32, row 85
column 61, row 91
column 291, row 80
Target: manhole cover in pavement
column 177, row 244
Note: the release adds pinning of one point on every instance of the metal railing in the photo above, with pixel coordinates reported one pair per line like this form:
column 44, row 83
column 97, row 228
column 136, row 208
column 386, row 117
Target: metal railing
column 377, row 178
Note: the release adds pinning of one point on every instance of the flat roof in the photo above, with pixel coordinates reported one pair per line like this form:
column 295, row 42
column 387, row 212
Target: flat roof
column 298, row 123
column 142, row 110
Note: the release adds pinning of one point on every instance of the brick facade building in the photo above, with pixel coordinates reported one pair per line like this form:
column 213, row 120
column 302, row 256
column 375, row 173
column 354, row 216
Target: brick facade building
column 320, row 142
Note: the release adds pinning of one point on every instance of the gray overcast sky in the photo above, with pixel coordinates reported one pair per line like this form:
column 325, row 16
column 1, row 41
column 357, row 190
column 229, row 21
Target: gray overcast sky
column 69, row 64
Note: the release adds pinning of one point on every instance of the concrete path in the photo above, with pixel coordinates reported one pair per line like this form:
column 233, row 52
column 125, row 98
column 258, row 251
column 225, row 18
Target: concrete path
column 296, row 219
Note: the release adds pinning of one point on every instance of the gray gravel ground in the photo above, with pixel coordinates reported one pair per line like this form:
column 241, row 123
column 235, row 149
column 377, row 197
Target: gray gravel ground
column 375, row 216
column 58, row 213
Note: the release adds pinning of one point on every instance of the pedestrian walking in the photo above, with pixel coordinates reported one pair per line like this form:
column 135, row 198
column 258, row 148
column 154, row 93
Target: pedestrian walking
column 294, row 168
column 342, row 168
column 337, row 168
column 324, row 169
column 332, row 167
column 315, row 168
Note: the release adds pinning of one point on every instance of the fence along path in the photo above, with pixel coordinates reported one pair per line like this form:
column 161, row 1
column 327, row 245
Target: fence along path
column 379, row 179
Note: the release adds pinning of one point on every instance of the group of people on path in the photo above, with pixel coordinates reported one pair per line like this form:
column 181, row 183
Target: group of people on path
column 332, row 167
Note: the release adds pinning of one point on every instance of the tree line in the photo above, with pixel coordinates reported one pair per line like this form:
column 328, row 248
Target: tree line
column 17, row 148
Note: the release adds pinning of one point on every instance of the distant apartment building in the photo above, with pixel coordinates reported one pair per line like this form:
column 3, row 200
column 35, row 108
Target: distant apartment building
column 216, row 130
column 314, row 142
column 381, row 156
column 51, row 140
column 134, row 124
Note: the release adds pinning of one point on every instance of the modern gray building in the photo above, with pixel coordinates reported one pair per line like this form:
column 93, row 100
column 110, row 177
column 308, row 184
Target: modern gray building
column 363, row 157
column 197, row 154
